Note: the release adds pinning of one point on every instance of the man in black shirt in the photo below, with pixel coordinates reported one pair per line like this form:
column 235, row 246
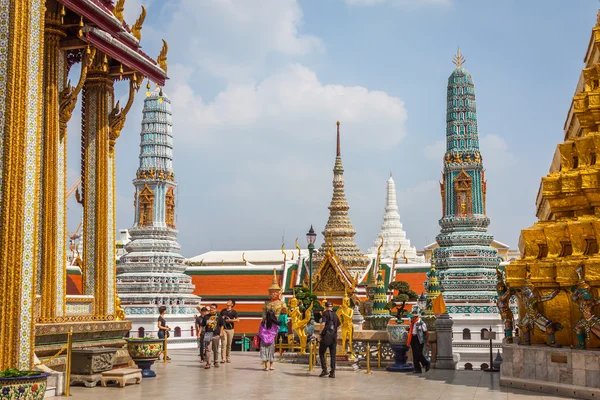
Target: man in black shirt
column 212, row 328
column 201, row 344
column 230, row 316
column 329, row 326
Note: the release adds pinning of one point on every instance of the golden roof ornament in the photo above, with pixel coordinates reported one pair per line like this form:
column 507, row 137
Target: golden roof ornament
column 284, row 254
column 136, row 29
column 458, row 59
column 298, row 247
column 118, row 10
column 162, row 57
column 275, row 283
column 244, row 259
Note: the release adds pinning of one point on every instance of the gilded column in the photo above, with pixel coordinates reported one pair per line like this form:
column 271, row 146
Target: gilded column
column 98, row 232
column 22, row 23
column 52, row 219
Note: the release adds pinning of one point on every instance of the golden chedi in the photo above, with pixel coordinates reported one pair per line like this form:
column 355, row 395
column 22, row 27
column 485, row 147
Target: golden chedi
column 560, row 251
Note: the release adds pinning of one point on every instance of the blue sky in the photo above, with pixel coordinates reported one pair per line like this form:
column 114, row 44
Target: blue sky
column 257, row 87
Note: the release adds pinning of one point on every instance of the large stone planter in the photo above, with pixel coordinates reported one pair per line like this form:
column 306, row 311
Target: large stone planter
column 24, row 387
column 92, row 360
column 144, row 352
column 398, row 335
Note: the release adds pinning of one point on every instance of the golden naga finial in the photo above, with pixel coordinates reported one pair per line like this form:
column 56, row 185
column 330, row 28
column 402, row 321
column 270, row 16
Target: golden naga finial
column 136, row 29
column 118, row 10
column 162, row 57
column 298, row 247
column 405, row 258
column 379, row 250
column 284, row 254
column 244, row 259
column 222, row 262
column 459, row 59
column 396, row 253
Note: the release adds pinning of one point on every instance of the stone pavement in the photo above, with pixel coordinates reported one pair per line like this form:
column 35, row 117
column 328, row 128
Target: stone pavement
column 184, row 378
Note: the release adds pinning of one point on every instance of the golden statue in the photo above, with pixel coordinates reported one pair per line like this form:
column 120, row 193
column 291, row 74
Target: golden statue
column 345, row 314
column 299, row 322
column 503, row 303
column 275, row 304
column 119, row 311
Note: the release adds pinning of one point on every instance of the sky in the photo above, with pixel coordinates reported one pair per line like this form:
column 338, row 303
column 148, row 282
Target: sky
column 257, row 87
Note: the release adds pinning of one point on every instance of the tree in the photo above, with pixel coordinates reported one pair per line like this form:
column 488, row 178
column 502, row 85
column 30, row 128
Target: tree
column 304, row 297
column 404, row 294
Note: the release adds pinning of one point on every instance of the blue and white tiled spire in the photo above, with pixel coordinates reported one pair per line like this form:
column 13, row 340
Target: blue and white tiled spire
column 465, row 260
column 152, row 273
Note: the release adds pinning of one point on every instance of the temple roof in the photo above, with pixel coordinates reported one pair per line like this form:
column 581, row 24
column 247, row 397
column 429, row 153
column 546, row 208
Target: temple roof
column 114, row 37
column 255, row 257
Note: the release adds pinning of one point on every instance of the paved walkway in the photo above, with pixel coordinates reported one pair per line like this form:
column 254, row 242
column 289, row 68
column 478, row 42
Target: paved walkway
column 184, row 378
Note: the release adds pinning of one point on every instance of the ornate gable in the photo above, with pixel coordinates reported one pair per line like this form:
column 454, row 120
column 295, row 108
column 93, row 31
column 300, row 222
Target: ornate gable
column 331, row 277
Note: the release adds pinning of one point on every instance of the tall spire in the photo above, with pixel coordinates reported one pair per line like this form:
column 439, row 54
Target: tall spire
column 391, row 230
column 338, row 152
column 339, row 230
column 153, row 272
column 465, row 246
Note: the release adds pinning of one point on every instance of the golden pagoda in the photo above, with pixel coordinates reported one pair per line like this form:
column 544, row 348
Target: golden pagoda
column 560, row 251
column 339, row 229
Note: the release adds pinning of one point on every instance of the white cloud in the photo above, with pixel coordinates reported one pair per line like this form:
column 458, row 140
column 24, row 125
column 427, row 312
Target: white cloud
column 397, row 3
column 291, row 104
column 233, row 39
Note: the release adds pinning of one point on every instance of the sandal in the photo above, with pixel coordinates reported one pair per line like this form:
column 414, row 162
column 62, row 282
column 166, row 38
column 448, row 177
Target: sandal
column 271, row 369
column 207, row 366
column 229, row 360
column 217, row 365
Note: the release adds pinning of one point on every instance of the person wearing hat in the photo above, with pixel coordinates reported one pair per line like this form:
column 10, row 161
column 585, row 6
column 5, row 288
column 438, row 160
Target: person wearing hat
column 417, row 338
column 329, row 326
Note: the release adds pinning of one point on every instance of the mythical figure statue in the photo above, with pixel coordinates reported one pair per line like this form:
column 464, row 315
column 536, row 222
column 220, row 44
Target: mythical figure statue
column 345, row 314
column 533, row 317
column 504, row 295
column 119, row 311
column 366, row 307
column 581, row 294
column 299, row 322
column 275, row 304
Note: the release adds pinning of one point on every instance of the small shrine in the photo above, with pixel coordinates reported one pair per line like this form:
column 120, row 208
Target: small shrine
column 331, row 278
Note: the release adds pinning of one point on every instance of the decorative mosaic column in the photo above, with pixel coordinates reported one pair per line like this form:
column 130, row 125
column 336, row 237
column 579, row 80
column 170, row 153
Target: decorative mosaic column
column 97, row 181
column 52, row 218
column 21, row 65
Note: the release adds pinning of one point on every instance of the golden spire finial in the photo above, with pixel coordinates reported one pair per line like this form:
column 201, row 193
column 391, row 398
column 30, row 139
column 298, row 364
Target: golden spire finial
column 459, row 59
column 338, row 148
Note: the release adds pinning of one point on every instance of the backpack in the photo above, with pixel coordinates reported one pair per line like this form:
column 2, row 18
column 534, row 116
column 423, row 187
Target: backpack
column 329, row 333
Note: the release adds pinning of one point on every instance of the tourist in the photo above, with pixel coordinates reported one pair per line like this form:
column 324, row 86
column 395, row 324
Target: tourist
column 282, row 335
column 267, row 332
column 212, row 329
column 417, row 338
column 230, row 316
column 329, row 326
column 163, row 329
column 201, row 344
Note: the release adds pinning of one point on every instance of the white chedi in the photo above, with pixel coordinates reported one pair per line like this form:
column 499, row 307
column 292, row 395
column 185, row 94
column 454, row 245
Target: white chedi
column 392, row 233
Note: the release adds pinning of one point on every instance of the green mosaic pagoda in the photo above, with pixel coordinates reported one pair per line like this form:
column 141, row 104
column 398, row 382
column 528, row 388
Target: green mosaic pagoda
column 465, row 260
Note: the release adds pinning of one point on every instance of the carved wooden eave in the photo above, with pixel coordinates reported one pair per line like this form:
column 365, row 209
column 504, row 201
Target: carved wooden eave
column 331, row 266
column 113, row 37
column 124, row 54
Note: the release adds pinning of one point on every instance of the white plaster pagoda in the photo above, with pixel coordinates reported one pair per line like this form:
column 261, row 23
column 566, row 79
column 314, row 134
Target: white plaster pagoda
column 394, row 237
column 152, row 272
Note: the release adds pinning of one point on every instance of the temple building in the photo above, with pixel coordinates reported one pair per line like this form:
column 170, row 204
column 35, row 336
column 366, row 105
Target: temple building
column 465, row 260
column 41, row 41
column 152, row 272
column 339, row 229
column 395, row 240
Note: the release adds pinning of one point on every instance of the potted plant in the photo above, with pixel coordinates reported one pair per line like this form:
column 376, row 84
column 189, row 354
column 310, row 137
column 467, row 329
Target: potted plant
column 15, row 384
column 398, row 333
column 144, row 351
column 404, row 294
